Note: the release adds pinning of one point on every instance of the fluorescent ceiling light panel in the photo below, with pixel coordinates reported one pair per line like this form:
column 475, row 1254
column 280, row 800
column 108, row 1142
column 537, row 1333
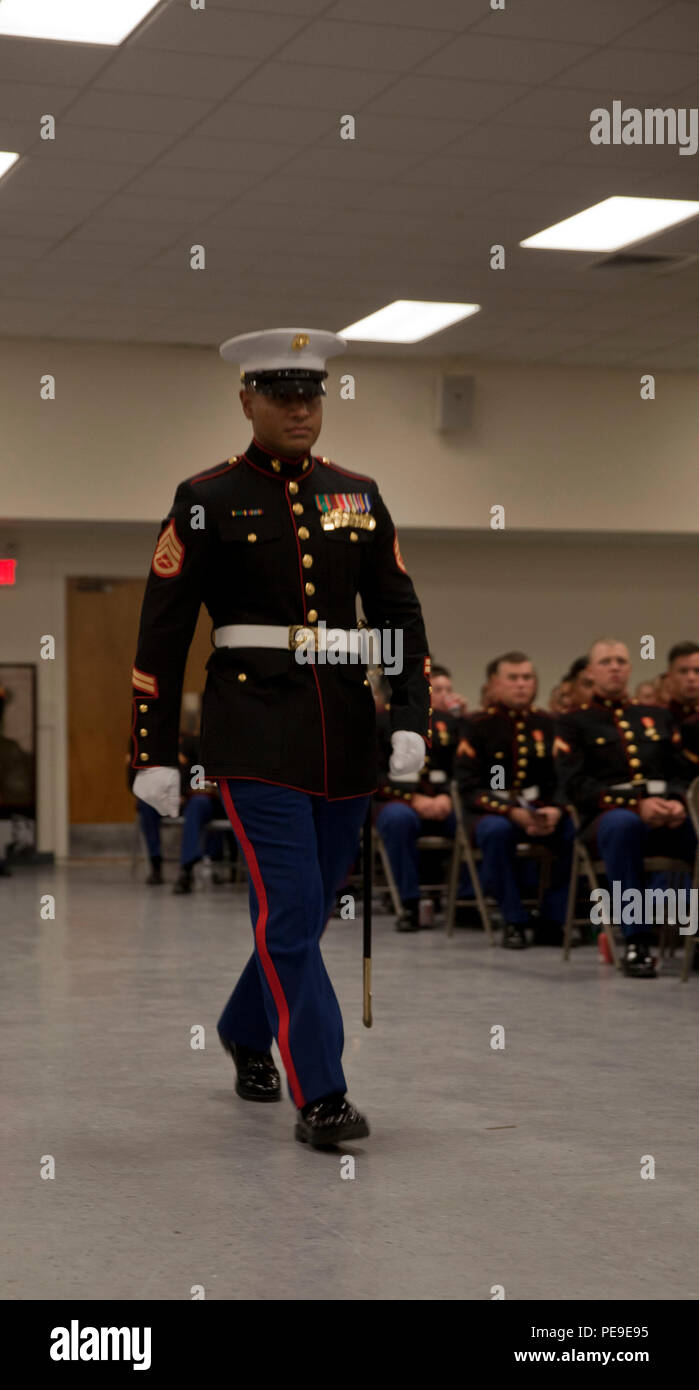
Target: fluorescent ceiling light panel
column 74, row 21
column 7, row 159
column 408, row 321
column 613, row 223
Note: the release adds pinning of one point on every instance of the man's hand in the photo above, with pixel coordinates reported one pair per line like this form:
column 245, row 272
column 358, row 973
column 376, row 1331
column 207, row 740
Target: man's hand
column 546, row 819
column 408, row 754
column 655, row 811
column 160, row 788
column 524, row 819
column 431, row 807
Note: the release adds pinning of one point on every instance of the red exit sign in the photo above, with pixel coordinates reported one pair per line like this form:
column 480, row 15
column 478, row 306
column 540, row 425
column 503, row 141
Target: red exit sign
column 7, row 571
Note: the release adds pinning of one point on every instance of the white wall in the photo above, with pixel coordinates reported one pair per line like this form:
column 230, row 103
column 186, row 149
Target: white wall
column 562, row 448
column 481, row 595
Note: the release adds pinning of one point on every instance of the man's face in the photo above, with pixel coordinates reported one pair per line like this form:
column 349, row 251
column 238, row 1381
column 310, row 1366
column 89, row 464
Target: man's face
column 514, row 685
column 684, row 677
column 284, row 426
column 610, row 668
column 442, row 693
column 582, row 688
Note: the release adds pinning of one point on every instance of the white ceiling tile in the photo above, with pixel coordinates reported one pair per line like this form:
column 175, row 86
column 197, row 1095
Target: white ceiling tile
column 494, row 141
column 440, row 98
column 282, row 125
column 594, row 21
column 439, row 14
column 117, row 146
column 53, row 224
column 29, row 101
column 318, row 193
column 34, row 202
column 483, row 57
column 56, row 64
column 675, row 26
column 388, row 48
column 305, row 85
column 347, row 160
column 561, row 108
column 170, row 74
column 617, row 71
column 243, row 34
column 375, row 132
column 108, row 229
column 466, row 173
column 293, row 7
column 44, row 170
column 138, row 208
column 245, row 156
column 216, row 185
column 132, row 111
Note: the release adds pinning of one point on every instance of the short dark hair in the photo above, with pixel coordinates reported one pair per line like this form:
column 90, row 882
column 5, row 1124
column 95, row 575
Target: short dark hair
column 440, row 671
column 681, row 649
column 515, row 658
column 580, row 664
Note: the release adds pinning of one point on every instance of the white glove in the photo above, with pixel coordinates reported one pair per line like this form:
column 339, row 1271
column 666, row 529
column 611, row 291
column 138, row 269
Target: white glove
column 407, row 757
column 160, row 787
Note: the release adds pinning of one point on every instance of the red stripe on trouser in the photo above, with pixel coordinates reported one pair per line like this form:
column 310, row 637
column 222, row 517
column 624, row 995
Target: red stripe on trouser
column 266, row 960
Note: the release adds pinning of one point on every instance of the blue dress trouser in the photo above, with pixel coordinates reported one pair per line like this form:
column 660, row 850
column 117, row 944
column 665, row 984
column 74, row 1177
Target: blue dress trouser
column 623, row 840
column 299, row 850
column 400, row 828
column 197, row 813
column 497, row 839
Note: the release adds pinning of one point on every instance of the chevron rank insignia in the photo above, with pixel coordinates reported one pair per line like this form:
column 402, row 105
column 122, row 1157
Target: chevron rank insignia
column 560, row 746
column 141, row 680
column 169, row 553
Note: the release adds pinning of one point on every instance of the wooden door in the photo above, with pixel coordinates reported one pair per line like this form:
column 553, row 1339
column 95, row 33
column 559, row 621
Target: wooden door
column 102, row 626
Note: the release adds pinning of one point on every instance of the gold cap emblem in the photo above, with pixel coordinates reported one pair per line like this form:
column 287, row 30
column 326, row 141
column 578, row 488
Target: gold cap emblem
column 300, row 341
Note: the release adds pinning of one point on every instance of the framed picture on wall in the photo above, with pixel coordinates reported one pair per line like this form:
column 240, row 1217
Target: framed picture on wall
column 17, row 759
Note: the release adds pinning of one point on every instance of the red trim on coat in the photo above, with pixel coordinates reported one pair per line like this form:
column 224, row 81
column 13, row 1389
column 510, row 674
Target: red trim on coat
column 267, row 963
column 337, row 469
column 204, row 477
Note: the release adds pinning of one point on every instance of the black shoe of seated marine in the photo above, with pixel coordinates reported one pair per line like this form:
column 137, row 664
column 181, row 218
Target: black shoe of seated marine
column 183, row 882
column 638, row 961
column 513, row 937
column 409, row 919
column 257, row 1077
column 329, row 1121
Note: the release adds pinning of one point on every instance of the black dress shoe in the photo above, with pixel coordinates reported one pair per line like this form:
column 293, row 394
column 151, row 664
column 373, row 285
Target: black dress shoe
column 155, row 875
column 183, row 882
column 5, row 870
column 330, row 1121
column 257, row 1077
column 638, row 961
column 513, row 938
column 409, row 919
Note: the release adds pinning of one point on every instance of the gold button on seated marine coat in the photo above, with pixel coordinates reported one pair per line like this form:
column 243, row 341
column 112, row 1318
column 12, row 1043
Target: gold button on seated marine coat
column 310, row 588
column 297, row 508
column 353, row 535
column 632, row 748
column 312, row 615
column 252, row 536
column 635, row 762
column 242, row 676
column 307, row 561
column 293, row 488
column 143, row 733
column 143, row 709
column 304, row 533
column 143, row 757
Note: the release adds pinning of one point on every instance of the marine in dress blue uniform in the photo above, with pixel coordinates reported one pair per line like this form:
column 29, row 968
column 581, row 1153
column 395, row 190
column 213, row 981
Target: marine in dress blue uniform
column 275, row 542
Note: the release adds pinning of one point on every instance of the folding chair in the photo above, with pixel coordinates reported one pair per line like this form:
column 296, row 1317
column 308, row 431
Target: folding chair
column 467, row 853
column 584, row 863
column 424, row 842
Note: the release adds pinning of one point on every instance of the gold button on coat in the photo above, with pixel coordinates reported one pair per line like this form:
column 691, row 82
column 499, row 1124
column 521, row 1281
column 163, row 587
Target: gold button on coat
column 242, row 676
column 252, row 536
column 293, row 488
column 312, row 615
column 307, row 561
column 143, row 733
column 310, row 588
column 304, row 533
column 297, row 508
column 143, row 709
column 276, row 465
column 635, row 762
column 353, row 535
column 143, row 757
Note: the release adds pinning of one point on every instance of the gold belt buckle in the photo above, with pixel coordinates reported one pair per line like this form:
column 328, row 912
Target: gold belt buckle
column 298, row 636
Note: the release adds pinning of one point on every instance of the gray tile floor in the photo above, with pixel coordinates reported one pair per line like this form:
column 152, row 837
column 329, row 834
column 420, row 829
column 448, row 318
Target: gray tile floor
column 518, row 1167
